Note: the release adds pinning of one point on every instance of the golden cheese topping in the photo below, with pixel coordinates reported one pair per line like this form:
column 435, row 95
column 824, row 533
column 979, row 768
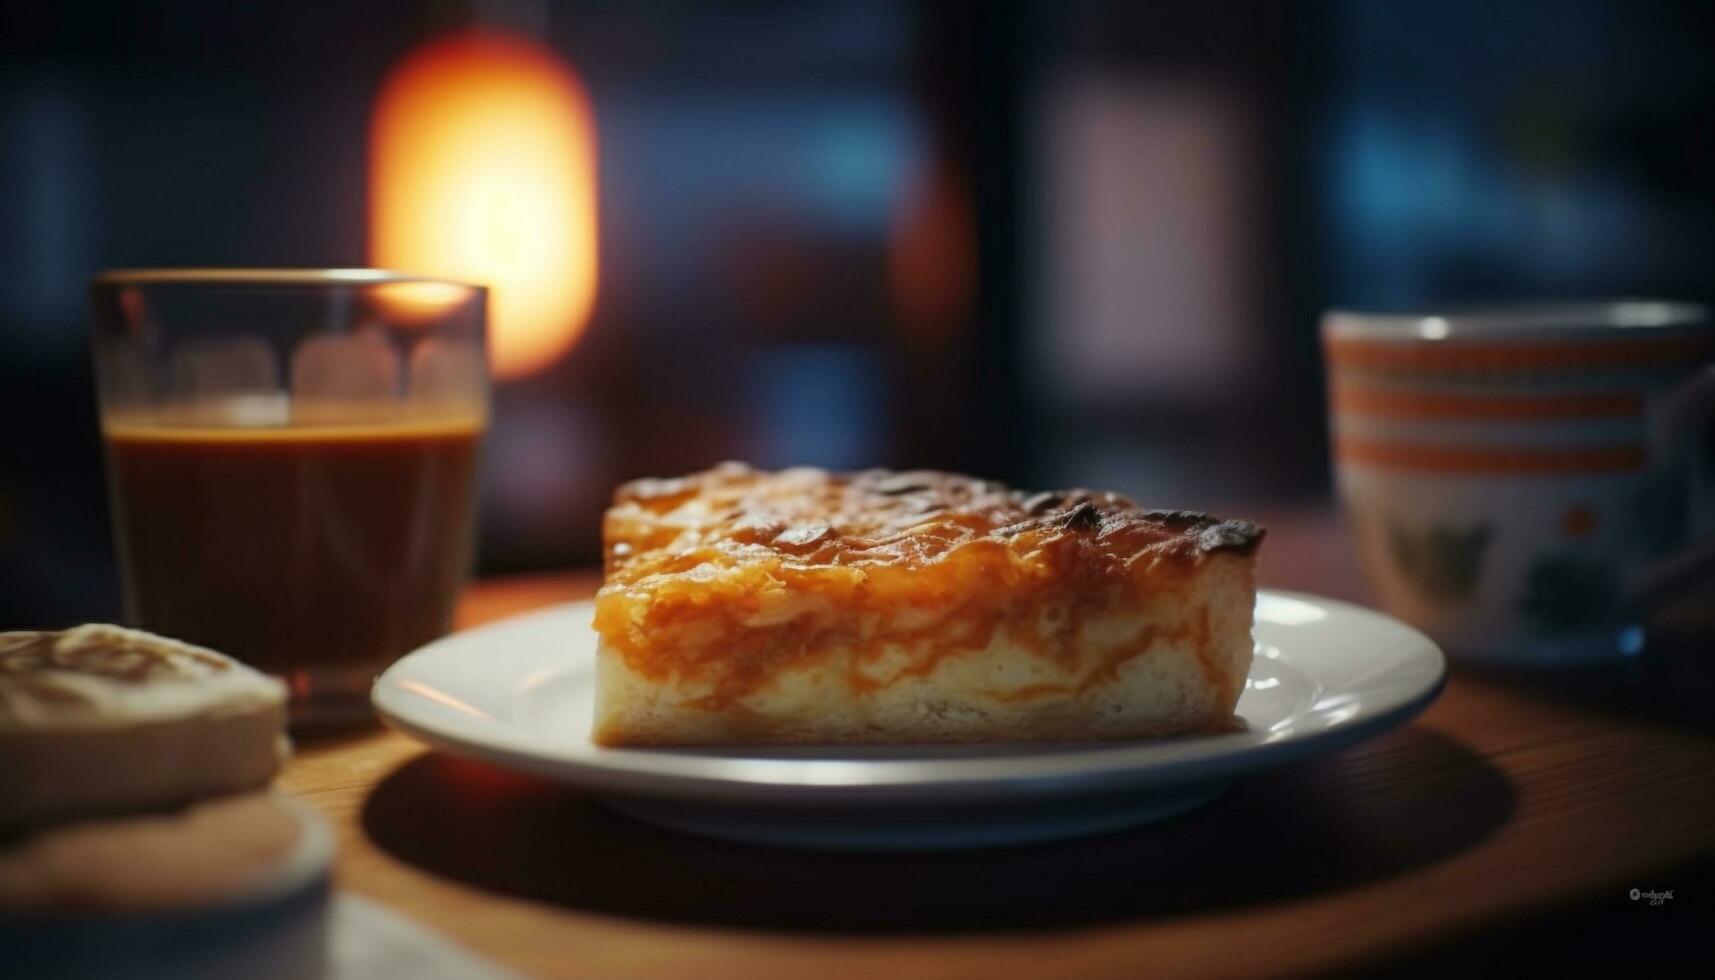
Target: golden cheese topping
column 738, row 571
column 808, row 517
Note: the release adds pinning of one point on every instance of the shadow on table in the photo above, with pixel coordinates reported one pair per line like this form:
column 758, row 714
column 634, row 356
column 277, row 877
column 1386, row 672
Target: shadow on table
column 331, row 734
column 1670, row 686
column 1399, row 802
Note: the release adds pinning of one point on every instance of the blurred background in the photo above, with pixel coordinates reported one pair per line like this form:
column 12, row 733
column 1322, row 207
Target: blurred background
column 1053, row 243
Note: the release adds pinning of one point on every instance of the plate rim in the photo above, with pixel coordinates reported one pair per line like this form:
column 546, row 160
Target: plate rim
column 1099, row 769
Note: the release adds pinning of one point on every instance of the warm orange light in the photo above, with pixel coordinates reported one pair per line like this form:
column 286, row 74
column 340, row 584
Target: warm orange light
column 416, row 304
column 482, row 168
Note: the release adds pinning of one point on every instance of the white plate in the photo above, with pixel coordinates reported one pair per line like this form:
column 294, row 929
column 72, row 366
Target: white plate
column 518, row 693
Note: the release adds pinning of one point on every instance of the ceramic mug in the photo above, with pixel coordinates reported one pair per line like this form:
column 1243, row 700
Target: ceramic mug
column 1523, row 482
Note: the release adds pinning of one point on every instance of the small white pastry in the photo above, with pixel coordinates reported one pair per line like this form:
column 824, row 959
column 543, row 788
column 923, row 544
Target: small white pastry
column 103, row 720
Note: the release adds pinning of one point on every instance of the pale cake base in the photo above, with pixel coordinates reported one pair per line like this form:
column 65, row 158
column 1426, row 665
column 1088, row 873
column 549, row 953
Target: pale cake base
column 1170, row 664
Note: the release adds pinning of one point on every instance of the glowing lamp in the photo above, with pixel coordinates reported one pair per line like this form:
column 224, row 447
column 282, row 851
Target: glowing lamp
column 482, row 169
column 415, row 304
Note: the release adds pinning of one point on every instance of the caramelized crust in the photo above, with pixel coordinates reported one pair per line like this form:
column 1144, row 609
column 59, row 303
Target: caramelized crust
column 720, row 581
column 807, row 518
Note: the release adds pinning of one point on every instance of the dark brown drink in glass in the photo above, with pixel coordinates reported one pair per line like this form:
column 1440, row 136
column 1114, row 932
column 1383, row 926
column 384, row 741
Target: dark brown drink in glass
column 335, row 548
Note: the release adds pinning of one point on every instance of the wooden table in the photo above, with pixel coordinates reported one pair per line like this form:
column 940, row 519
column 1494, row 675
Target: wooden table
column 1505, row 828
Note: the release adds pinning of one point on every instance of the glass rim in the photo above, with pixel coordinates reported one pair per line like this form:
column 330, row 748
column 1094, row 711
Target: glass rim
column 261, row 276
column 1547, row 320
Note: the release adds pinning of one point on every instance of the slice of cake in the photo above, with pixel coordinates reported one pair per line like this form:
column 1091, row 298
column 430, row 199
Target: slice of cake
column 743, row 607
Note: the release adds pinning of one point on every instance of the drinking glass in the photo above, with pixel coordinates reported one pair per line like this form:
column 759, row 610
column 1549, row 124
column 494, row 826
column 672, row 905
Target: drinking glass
column 292, row 461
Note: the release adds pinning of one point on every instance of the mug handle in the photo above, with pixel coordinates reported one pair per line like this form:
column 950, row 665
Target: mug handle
column 1688, row 409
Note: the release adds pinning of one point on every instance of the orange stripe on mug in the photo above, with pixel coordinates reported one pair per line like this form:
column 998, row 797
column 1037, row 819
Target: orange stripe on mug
column 1358, row 352
column 1393, row 404
column 1496, row 460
